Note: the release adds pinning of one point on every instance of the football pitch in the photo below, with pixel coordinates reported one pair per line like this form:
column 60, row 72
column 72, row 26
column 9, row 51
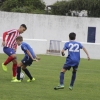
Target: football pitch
column 46, row 72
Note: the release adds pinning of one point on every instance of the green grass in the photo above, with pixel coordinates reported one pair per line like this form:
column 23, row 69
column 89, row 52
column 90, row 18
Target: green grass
column 46, row 72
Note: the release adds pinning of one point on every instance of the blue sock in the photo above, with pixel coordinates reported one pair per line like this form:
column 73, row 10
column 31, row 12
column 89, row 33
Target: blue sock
column 61, row 78
column 73, row 78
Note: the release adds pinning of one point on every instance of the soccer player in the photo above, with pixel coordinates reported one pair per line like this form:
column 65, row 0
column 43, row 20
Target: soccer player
column 72, row 60
column 26, row 61
column 10, row 46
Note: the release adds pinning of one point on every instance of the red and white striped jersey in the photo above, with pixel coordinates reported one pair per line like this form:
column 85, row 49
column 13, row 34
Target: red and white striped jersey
column 11, row 38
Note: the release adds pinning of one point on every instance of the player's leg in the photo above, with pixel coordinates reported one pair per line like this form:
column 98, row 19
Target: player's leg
column 64, row 69
column 11, row 56
column 62, row 76
column 73, row 77
column 23, row 64
column 18, row 73
column 14, row 69
column 27, row 61
column 27, row 72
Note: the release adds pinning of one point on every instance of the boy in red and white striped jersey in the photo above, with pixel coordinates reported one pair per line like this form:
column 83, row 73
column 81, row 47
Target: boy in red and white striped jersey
column 10, row 46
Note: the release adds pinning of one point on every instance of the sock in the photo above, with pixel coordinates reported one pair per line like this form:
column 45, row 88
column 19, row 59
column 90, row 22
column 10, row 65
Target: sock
column 9, row 59
column 28, row 73
column 73, row 78
column 61, row 78
column 14, row 69
column 18, row 72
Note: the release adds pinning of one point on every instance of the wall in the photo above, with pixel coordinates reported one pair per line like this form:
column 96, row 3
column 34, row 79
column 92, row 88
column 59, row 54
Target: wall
column 47, row 28
column 39, row 46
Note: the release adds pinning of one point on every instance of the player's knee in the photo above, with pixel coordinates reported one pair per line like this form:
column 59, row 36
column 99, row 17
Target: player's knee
column 63, row 71
column 14, row 56
column 14, row 61
column 74, row 71
column 23, row 68
column 20, row 64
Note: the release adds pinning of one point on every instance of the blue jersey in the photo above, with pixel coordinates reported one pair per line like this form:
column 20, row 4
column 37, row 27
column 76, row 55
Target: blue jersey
column 25, row 46
column 73, row 57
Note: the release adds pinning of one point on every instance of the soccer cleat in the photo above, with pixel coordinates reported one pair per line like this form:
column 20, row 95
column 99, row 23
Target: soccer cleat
column 33, row 79
column 70, row 87
column 59, row 87
column 4, row 67
column 16, row 80
column 13, row 78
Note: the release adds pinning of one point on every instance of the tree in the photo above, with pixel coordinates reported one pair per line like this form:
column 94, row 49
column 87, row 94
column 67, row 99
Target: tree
column 25, row 6
column 63, row 7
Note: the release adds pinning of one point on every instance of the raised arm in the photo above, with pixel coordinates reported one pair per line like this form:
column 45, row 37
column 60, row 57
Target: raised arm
column 86, row 53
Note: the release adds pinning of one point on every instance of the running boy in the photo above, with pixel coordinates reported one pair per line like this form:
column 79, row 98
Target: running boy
column 10, row 46
column 27, row 60
column 72, row 60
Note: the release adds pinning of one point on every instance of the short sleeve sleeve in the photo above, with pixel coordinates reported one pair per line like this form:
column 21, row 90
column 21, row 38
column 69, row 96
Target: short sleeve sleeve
column 11, row 31
column 23, row 47
column 81, row 46
column 65, row 46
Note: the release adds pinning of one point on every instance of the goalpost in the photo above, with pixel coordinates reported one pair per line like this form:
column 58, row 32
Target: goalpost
column 54, row 47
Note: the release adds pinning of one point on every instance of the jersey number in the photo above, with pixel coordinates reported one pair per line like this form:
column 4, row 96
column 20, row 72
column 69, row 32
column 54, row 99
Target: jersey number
column 74, row 47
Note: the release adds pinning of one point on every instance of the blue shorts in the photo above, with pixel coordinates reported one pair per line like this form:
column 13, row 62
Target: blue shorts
column 66, row 67
column 9, row 51
column 27, row 61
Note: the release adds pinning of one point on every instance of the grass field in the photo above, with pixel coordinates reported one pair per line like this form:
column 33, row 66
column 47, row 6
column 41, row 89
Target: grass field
column 46, row 72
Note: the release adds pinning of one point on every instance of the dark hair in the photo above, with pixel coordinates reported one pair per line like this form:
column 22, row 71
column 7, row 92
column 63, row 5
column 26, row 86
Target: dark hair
column 23, row 25
column 20, row 38
column 72, row 36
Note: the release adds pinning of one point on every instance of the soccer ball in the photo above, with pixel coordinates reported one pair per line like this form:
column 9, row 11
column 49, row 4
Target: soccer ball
column 22, row 76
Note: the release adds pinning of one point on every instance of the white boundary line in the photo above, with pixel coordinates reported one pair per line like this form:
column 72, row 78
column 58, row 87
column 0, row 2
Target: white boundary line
column 61, row 41
column 84, row 43
column 35, row 39
column 32, row 39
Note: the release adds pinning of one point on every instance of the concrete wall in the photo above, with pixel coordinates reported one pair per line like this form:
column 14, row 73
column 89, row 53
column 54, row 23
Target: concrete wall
column 50, row 27
column 47, row 28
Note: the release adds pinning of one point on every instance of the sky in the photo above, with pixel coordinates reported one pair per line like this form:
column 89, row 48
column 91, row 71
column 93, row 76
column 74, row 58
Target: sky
column 50, row 2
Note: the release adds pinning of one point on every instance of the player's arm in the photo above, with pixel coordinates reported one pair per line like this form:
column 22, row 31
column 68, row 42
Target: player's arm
column 29, row 54
column 64, row 49
column 5, row 34
column 86, row 53
column 15, row 48
column 36, row 57
column 62, row 52
column 4, row 38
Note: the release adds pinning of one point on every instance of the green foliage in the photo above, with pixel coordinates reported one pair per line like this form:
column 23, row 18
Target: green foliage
column 60, row 8
column 9, row 4
column 22, row 9
column 38, row 11
column 63, row 7
column 24, row 6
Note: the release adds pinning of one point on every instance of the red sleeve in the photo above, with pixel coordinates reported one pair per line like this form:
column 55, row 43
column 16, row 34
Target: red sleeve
column 4, row 35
